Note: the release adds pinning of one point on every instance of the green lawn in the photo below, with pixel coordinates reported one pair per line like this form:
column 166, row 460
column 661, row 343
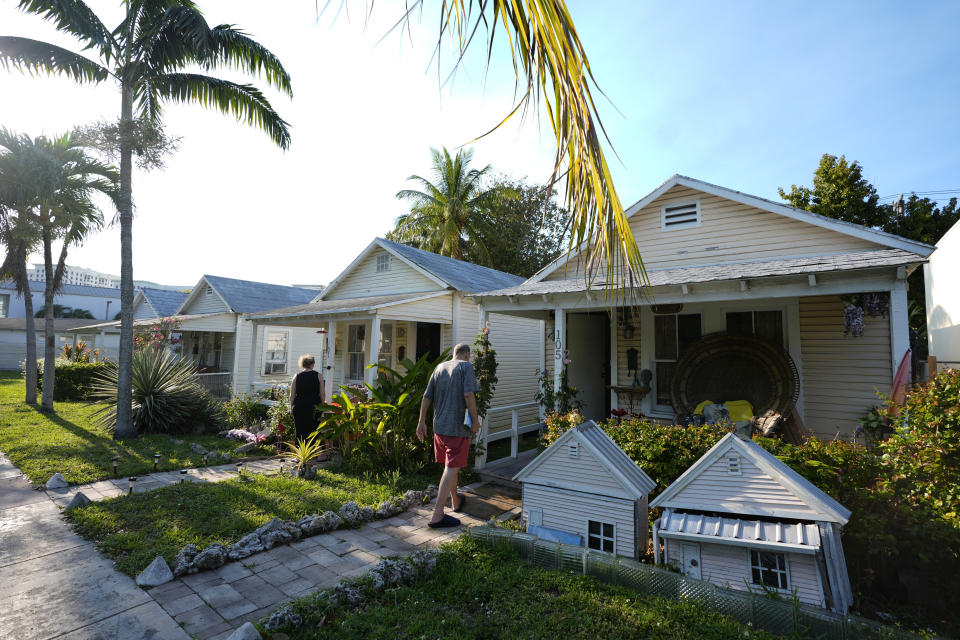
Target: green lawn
column 134, row 529
column 70, row 443
column 480, row 592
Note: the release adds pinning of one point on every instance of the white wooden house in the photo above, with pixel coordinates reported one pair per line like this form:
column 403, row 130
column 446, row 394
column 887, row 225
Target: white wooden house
column 583, row 489
column 741, row 518
column 393, row 302
column 943, row 299
column 720, row 260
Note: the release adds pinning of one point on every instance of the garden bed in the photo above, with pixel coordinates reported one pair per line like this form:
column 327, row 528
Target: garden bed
column 477, row 591
column 135, row 529
column 70, row 442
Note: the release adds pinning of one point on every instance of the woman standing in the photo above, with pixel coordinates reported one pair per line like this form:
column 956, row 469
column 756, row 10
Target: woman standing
column 306, row 392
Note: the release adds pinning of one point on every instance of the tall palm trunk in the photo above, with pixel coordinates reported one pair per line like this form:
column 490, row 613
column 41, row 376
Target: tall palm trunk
column 124, row 428
column 49, row 333
column 30, row 366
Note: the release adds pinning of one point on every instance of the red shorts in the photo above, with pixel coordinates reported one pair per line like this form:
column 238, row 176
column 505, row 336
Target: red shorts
column 452, row 451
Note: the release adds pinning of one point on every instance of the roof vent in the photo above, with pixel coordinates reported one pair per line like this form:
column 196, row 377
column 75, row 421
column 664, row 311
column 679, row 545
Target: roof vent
column 573, row 449
column 209, row 290
column 733, row 464
column 680, row 215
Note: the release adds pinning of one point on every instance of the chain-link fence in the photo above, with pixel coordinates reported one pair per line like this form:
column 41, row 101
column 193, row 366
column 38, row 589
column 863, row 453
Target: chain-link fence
column 776, row 616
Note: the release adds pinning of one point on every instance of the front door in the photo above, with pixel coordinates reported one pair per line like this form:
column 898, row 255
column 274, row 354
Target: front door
column 588, row 342
column 428, row 339
column 691, row 559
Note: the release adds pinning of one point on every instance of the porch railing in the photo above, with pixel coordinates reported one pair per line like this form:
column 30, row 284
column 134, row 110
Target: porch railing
column 514, row 432
column 217, row 384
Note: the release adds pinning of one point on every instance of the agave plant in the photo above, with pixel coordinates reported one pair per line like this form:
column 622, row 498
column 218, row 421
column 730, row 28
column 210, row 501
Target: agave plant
column 166, row 395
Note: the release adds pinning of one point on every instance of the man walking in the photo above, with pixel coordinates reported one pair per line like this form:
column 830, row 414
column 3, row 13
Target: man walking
column 452, row 390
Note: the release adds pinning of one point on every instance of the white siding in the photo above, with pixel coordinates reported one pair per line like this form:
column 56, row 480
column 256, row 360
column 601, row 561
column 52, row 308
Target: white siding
column 753, row 492
column 302, row 340
column 436, row 309
column 364, row 280
column 517, row 343
column 585, row 471
column 206, row 300
column 570, row 510
column 223, row 322
column 729, row 232
column 943, row 297
column 143, row 311
column 841, row 374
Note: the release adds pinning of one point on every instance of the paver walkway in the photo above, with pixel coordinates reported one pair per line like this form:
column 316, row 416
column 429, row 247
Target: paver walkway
column 54, row 584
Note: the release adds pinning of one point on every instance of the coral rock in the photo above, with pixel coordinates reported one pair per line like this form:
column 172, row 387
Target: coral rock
column 283, row 617
column 350, row 512
column 57, row 481
column 245, row 547
column 78, row 500
column 183, row 562
column 212, row 557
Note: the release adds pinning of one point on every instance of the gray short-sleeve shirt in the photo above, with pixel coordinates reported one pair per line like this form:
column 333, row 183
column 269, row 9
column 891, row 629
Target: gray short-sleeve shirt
column 450, row 380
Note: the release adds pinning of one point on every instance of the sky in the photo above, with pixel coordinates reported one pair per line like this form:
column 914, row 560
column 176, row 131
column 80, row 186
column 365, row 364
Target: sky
column 747, row 95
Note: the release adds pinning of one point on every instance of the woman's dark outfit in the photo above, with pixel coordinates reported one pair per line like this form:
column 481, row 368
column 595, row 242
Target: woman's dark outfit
column 305, row 402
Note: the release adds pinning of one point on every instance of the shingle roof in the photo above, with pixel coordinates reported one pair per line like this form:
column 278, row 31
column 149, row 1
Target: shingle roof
column 245, row 296
column 732, row 271
column 344, row 306
column 164, row 301
column 463, row 276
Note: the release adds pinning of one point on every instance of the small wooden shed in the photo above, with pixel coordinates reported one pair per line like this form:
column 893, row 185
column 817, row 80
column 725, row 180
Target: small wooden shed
column 741, row 518
column 585, row 490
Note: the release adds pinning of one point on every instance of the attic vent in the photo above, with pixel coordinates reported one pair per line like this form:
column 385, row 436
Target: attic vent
column 209, row 290
column 573, row 449
column 680, row 215
column 383, row 262
column 733, row 464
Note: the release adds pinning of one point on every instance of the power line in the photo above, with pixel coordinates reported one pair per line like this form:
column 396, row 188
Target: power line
column 922, row 193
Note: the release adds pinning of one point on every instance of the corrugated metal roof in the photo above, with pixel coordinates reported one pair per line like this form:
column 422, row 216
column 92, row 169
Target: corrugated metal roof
column 71, row 289
column 462, row 276
column 615, row 457
column 163, row 301
column 730, row 271
column 345, row 306
column 245, row 296
column 718, row 529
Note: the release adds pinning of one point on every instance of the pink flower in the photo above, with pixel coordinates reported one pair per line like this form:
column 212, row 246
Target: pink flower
column 567, row 361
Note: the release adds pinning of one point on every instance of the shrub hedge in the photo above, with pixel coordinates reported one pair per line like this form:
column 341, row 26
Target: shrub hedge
column 73, row 380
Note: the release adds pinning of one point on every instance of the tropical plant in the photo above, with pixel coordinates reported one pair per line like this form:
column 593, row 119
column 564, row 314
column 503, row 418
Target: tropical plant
column 448, row 213
column 166, row 396
column 245, row 410
column 80, row 352
column 485, row 368
column 153, row 55
column 63, row 311
column 303, row 452
column 559, row 400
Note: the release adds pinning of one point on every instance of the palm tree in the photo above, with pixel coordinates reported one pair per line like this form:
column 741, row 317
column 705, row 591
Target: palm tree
column 151, row 55
column 448, row 212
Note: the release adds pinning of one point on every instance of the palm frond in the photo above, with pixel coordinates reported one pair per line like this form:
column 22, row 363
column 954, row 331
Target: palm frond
column 244, row 101
column 235, row 48
column 77, row 19
column 36, row 57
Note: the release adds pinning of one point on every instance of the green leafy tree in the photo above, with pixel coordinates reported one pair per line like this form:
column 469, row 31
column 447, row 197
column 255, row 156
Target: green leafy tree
column 523, row 228
column 447, row 214
column 63, row 311
column 839, row 191
column 156, row 55
column 920, row 218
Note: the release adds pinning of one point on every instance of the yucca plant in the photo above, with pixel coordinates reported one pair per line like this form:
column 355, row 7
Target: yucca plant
column 303, row 452
column 166, row 395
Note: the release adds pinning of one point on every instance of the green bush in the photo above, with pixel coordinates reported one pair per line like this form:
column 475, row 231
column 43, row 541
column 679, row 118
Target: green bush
column 245, row 411
column 73, row 380
column 166, row 396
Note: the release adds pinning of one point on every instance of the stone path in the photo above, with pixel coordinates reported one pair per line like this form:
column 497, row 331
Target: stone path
column 54, row 584
column 119, row 486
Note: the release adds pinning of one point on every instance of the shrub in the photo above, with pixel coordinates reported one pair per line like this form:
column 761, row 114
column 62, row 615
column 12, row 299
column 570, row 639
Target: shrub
column 166, row 396
column 245, row 411
column 73, row 380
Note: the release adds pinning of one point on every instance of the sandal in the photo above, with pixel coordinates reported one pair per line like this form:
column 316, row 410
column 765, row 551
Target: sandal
column 446, row 522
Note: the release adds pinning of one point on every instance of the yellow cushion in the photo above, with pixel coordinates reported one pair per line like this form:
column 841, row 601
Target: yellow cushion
column 739, row 410
column 699, row 409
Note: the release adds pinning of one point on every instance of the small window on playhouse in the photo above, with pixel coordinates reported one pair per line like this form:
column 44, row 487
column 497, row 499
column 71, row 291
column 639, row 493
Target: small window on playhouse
column 600, row 536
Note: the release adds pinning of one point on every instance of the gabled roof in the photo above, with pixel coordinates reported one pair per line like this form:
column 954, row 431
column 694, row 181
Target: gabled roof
column 637, row 483
column 163, row 301
column 826, row 508
column 246, row 296
column 446, row 272
column 849, row 228
column 346, row 305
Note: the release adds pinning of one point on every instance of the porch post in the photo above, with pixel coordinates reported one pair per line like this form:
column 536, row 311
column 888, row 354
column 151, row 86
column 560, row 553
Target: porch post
column 331, row 359
column 613, row 357
column 559, row 345
column 899, row 324
column 371, row 374
column 543, row 361
column 251, row 365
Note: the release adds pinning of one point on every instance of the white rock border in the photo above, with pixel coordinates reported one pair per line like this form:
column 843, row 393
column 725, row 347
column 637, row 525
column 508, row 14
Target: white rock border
column 190, row 559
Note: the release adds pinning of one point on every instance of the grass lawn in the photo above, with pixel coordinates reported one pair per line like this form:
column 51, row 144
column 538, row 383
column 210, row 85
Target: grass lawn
column 478, row 592
column 70, row 443
column 134, row 529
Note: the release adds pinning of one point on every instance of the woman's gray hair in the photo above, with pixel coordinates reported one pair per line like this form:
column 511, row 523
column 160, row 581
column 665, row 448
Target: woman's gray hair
column 307, row 361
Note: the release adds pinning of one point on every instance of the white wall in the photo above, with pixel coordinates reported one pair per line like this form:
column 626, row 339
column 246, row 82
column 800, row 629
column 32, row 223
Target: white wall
column 300, row 341
column 942, row 282
column 95, row 304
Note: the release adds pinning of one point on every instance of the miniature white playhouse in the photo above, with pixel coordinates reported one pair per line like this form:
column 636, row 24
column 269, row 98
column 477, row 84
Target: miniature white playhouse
column 743, row 519
column 585, row 490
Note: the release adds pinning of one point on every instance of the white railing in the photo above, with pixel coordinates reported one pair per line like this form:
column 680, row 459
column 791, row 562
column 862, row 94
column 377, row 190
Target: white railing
column 217, row 384
column 514, row 432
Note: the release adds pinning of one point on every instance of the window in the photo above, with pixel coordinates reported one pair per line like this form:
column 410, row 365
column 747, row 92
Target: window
column 275, row 353
column 680, row 215
column 769, row 569
column 383, row 262
column 386, row 345
column 600, row 536
column 672, row 335
column 356, row 334
column 4, row 305
column 763, row 324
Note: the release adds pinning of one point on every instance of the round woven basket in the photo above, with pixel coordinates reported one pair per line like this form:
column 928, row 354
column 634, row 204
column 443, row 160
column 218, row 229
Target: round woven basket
column 721, row 367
